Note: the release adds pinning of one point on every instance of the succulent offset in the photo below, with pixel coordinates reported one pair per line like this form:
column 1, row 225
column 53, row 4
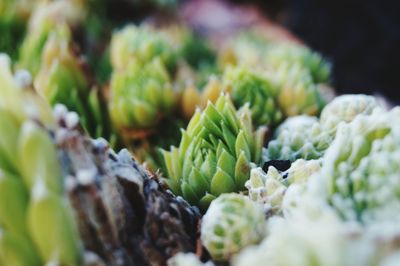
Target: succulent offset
column 232, row 223
column 46, row 16
column 298, row 93
column 269, row 188
column 318, row 67
column 299, row 137
column 215, row 153
column 140, row 95
column 246, row 86
column 141, row 45
column 62, row 79
column 346, row 107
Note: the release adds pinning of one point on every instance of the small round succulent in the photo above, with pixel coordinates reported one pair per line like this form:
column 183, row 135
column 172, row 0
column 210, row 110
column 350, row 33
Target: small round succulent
column 361, row 168
column 298, row 93
column 294, row 54
column 299, row 137
column 215, row 153
column 248, row 86
column 141, row 44
column 346, row 107
column 232, row 223
column 140, row 95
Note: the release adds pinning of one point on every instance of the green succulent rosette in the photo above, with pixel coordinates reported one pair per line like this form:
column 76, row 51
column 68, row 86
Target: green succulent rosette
column 248, row 86
column 318, row 67
column 346, row 107
column 46, row 16
column 298, row 93
column 36, row 224
column 141, row 95
column 141, row 44
column 62, row 79
column 361, row 169
column 232, row 223
column 215, row 153
column 299, row 137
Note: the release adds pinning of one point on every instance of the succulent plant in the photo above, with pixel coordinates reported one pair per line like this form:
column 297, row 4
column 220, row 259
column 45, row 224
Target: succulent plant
column 39, row 223
column 141, row 44
column 304, row 241
column 232, row 223
column 299, row 137
column 192, row 98
column 346, row 107
column 62, row 78
column 215, row 153
column 269, row 187
column 298, row 93
column 248, row 86
column 247, row 48
column 140, row 95
column 360, row 168
column 46, row 16
column 295, row 54
column 182, row 259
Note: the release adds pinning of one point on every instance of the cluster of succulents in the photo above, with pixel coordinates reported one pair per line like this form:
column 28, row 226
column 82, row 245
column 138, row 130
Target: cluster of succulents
column 237, row 154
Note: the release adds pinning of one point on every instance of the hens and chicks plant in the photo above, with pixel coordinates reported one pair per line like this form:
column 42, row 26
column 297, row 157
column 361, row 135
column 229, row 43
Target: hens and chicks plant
column 238, row 154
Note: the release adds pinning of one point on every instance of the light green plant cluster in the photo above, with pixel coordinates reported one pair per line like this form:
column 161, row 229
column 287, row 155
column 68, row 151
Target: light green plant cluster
column 247, row 86
column 141, row 45
column 269, row 188
column 346, row 107
column 298, row 93
column 232, row 223
column 36, row 225
column 141, row 95
column 46, row 16
column 361, row 167
column 299, row 137
column 62, row 79
column 308, row 137
column 318, row 67
column 215, row 153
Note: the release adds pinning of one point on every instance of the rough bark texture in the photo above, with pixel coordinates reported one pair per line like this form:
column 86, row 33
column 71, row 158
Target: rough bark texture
column 124, row 215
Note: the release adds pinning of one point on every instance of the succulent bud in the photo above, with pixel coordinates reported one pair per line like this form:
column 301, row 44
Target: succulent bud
column 346, row 107
column 141, row 45
column 248, row 86
column 318, row 67
column 299, row 137
column 269, row 188
column 232, row 223
column 298, row 93
column 140, row 95
column 44, row 19
column 215, row 153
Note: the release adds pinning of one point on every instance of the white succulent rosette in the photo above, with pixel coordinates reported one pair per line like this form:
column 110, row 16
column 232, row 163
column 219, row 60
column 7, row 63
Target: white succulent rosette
column 232, row 223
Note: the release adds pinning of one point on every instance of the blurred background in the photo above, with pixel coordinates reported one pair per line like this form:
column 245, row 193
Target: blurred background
column 360, row 37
